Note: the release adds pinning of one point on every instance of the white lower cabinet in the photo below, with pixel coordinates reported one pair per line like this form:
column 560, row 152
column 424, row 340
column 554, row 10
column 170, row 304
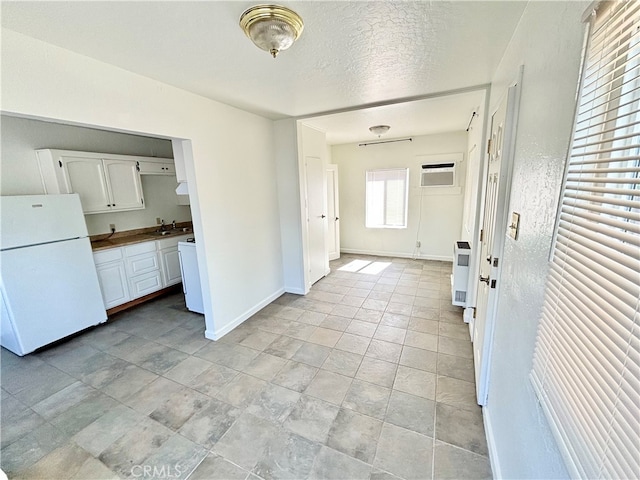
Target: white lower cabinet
column 168, row 249
column 112, row 277
column 133, row 271
column 171, row 266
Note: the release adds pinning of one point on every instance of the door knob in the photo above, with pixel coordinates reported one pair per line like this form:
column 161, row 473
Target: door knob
column 322, row 216
column 337, row 219
column 484, row 279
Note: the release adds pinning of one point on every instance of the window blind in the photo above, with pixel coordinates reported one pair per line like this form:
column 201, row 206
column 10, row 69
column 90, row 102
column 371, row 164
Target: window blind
column 386, row 198
column 586, row 366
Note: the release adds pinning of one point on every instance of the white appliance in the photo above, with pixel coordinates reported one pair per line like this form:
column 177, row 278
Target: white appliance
column 190, row 276
column 438, row 175
column 48, row 283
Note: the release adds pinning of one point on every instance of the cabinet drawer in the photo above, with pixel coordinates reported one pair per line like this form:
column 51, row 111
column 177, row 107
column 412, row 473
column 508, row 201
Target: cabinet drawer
column 143, row 263
column 138, row 248
column 105, row 256
column 141, row 285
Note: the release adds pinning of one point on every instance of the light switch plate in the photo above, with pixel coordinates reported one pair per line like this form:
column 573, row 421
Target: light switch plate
column 514, row 227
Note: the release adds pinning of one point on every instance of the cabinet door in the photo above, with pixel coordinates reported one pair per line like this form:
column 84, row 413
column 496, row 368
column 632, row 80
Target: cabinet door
column 170, row 266
column 113, row 284
column 85, row 177
column 123, row 180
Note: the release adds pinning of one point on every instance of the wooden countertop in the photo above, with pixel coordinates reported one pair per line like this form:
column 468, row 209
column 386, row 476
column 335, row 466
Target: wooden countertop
column 129, row 237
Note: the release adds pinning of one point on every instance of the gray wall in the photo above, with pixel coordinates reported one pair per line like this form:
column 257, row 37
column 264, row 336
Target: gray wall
column 548, row 43
column 20, row 137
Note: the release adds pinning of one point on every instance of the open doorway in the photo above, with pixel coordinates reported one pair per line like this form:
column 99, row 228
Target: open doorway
column 442, row 129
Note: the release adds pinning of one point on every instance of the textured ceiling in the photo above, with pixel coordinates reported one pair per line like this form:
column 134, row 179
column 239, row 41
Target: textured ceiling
column 350, row 54
column 447, row 113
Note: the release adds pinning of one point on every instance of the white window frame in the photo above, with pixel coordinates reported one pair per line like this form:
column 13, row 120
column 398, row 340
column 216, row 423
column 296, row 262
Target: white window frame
column 385, row 175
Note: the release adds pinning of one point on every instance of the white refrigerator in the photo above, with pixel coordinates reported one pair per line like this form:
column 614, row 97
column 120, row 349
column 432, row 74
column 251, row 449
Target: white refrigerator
column 48, row 282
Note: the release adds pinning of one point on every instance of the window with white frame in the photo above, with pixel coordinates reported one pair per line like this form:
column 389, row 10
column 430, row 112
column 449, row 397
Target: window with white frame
column 386, row 198
column 586, row 366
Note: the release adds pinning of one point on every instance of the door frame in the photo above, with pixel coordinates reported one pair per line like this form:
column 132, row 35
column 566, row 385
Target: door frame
column 333, row 168
column 512, row 96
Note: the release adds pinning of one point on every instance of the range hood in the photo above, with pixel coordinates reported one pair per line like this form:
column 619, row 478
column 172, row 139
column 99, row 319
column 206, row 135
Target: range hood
column 182, row 189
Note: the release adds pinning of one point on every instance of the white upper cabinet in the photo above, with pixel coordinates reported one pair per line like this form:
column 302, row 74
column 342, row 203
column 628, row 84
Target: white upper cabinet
column 123, row 182
column 85, row 176
column 105, row 183
column 161, row 166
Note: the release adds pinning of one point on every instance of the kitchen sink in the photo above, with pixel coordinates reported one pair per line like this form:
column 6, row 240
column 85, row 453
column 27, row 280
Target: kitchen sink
column 164, row 233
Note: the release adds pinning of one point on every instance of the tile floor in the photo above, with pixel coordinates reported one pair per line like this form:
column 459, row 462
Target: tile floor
column 369, row 376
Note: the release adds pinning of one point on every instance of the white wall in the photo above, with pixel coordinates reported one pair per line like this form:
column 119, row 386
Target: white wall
column 441, row 207
column 232, row 179
column 20, row 176
column 288, row 176
column 160, row 200
column 548, row 43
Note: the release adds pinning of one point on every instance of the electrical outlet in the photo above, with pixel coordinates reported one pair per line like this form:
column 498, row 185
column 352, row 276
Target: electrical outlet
column 158, row 221
column 417, row 244
column 112, row 226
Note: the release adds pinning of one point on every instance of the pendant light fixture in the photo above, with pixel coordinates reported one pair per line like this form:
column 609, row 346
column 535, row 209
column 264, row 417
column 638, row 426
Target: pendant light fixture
column 271, row 27
column 379, row 130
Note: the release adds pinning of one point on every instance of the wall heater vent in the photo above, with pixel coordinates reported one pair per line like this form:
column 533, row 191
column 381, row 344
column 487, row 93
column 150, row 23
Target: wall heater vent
column 460, row 297
column 460, row 274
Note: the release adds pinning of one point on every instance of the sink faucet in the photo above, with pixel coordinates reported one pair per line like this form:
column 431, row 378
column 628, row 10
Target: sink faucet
column 173, row 224
column 162, row 226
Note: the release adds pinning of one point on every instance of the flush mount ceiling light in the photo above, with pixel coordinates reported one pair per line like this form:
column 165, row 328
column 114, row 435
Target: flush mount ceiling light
column 379, row 129
column 271, row 27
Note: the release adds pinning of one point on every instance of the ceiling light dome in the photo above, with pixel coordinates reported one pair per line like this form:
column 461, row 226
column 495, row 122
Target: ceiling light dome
column 379, row 129
column 271, row 27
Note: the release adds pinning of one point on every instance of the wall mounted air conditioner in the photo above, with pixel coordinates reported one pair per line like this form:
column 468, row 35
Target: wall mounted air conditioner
column 460, row 275
column 438, row 175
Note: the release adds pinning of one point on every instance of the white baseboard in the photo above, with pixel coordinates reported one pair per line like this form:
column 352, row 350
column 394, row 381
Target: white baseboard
column 441, row 258
column 221, row 332
column 296, row 290
column 493, row 451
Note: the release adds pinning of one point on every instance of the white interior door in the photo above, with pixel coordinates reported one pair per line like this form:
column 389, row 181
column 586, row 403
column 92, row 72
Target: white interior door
column 316, row 218
column 492, row 239
column 333, row 213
